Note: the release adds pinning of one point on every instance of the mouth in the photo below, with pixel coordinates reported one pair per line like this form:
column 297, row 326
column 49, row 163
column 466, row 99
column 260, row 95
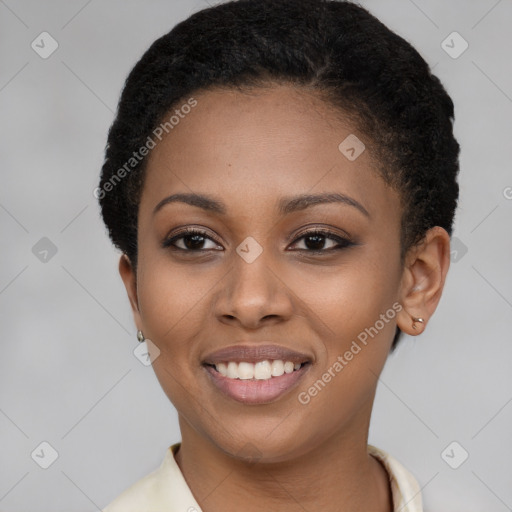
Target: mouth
column 256, row 375
column 261, row 370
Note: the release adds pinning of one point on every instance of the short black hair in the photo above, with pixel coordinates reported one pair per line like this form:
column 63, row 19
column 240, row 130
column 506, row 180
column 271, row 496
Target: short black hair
column 334, row 48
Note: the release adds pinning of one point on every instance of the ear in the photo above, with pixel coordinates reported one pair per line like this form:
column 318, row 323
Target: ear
column 423, row 280
column 128, row 275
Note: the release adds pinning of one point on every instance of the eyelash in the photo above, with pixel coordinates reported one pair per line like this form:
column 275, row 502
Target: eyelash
column 343, row 243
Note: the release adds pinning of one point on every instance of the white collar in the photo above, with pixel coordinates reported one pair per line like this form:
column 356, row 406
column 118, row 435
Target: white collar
column 406, row 492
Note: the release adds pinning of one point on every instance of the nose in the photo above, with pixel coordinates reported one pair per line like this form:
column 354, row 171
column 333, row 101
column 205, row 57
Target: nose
column 254, row 294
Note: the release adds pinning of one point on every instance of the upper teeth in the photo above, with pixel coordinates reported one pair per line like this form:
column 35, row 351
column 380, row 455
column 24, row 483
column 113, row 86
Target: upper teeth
column 262, row 370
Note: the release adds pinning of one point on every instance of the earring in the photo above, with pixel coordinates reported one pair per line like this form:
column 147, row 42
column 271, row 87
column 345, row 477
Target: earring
column 140, row 337
column 414, row 320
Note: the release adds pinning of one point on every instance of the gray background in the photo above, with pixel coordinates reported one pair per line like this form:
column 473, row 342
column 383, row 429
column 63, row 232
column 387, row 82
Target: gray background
column 68, row 375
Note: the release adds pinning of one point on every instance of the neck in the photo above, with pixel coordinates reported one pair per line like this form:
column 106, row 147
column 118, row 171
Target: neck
column 337, row 475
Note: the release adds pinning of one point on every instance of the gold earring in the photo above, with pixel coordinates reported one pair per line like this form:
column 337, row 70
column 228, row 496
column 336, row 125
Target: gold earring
column 414, row 320
column 140, row 337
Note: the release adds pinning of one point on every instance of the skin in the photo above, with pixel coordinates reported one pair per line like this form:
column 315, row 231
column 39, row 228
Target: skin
column 248, row 151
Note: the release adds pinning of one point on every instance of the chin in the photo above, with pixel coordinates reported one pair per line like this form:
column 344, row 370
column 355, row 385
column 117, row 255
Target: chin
column 256, row 445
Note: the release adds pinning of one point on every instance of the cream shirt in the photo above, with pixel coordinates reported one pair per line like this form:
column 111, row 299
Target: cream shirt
column 165, row 489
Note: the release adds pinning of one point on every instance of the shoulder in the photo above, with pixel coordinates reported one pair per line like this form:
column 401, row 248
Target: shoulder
column 405, row 489
column 137, row 497
column 164, row 489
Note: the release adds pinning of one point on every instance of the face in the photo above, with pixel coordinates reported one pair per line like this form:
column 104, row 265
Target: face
column 295, row 257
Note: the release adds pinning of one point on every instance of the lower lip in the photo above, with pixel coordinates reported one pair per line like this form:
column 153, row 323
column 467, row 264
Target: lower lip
column 255, row 391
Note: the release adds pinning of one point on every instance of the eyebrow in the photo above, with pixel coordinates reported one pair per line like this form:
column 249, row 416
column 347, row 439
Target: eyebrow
column 286, row 205
column 296, row 203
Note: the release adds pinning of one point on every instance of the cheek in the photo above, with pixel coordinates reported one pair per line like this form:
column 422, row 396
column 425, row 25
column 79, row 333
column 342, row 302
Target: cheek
column 170, row 296
column 172, row 303
column 349, row 298
column 355, row 302
column 171, row 310
column 356, row 305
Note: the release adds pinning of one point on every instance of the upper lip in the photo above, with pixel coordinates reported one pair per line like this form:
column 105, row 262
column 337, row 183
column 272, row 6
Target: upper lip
column 255, row 353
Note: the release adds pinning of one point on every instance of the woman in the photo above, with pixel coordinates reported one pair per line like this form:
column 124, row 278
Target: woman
column 281, row 180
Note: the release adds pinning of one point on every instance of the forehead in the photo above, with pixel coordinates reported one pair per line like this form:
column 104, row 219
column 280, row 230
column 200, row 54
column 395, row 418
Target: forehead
column 261, row 144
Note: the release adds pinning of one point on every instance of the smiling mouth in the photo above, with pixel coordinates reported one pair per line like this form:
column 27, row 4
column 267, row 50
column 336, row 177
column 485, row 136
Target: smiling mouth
column 262, row 382
column 261, row 370
column 256, row 374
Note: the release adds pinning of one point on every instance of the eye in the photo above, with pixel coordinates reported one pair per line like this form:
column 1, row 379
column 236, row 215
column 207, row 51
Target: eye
column 191, row 239
column 315, row 241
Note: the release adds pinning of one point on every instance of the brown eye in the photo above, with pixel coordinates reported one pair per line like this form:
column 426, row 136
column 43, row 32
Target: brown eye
column 316, row 241
column 191, row 240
